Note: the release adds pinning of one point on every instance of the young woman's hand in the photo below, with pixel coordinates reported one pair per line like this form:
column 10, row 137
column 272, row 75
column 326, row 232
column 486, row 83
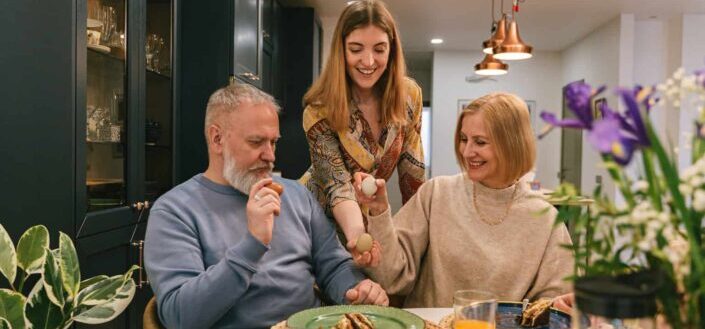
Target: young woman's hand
column 369, row 258
column 376, row 203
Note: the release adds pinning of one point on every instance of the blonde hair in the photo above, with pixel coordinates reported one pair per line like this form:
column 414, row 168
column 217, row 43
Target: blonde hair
column 506, row 118
column 332, row 89
column 228, row 99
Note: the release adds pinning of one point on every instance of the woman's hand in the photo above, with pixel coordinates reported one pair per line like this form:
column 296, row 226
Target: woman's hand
column 564, row 302
column 378, row 202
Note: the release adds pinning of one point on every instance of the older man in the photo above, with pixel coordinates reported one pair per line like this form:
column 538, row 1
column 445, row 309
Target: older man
column 223, row 250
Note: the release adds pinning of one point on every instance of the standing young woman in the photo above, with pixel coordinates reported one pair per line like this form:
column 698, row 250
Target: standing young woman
column 362, row 115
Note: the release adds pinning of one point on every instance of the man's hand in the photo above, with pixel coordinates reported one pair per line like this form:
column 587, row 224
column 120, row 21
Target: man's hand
column 378, row 202
column 262, row 206
column 564, row 302
column 368, row 258
column 367, row 292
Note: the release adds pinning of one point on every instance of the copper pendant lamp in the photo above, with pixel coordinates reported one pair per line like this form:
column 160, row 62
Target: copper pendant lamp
column 491, row 66
column 497, row 38
column 512, row 47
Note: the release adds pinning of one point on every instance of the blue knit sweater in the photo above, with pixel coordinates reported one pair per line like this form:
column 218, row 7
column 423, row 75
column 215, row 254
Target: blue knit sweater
column 208, row 271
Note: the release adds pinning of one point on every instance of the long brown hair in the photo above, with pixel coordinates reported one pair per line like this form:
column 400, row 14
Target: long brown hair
column 508, row 125
column 331, row 91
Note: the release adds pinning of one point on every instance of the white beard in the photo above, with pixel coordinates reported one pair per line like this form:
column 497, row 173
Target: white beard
column 240, row 179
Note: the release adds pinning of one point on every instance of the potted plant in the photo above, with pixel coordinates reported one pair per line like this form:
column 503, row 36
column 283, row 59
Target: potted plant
column 59, row 297
column 659, row 225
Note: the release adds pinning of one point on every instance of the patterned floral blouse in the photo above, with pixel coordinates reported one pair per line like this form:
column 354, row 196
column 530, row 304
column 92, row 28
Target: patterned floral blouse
column 335, row 157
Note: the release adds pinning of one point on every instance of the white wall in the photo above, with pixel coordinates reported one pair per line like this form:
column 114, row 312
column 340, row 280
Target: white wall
column 538, row 79
column 693, row 57
column 595, row 59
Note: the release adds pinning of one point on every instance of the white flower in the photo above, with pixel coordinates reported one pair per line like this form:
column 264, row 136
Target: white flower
column 641, row 186
column 699, row 200
column 685, row 189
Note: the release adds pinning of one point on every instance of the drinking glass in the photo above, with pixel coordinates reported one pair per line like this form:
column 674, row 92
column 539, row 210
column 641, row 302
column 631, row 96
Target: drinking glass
column 474, row 309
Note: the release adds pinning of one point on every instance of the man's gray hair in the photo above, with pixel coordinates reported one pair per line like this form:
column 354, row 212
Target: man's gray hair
column 228, row 99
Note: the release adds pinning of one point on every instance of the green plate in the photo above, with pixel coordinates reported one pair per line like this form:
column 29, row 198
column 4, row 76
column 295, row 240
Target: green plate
column 381, row 317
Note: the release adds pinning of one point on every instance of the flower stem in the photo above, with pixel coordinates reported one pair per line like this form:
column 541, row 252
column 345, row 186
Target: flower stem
column 654, row 187
column 672, row 181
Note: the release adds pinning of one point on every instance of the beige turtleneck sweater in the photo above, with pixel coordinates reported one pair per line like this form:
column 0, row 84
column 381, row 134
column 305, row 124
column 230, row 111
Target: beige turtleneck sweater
column 437, row 244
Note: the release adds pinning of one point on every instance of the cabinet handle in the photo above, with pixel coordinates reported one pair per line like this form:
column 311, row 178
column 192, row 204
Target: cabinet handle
column 141, row 282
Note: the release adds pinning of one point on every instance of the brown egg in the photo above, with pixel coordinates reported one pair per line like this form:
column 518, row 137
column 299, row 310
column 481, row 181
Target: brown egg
column 364, row 243
column 276, row 187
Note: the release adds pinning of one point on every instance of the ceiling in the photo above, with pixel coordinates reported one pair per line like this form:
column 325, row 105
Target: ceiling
column 547, row 25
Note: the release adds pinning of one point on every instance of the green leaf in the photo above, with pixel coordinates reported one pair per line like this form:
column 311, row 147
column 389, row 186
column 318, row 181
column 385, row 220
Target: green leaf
column 12, row 308
column 31, row 249
column 4, row 324
column 109, row 310
column 51, row 279
column 68, row 261
column 90, row 281
column 8, row 258
column 41, row 312
column 100, row 292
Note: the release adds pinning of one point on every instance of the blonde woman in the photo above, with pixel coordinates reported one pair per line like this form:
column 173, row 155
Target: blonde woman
column 480, row 229
column 362, row 115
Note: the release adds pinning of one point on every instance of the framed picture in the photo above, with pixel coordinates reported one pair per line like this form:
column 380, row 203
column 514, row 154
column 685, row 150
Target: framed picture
column 462, row 103
column 597, row 106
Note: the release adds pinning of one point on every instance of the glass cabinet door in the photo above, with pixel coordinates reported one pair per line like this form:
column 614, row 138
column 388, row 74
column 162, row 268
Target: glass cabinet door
column 159, row 121
column 106, row 114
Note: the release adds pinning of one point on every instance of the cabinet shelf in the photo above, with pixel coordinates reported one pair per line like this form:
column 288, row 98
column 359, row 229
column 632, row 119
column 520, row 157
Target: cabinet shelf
column 160, row 75
column 102, row 142
column 114, row 54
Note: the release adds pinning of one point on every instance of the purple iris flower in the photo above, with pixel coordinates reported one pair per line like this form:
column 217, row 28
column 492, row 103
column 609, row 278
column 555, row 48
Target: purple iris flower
column 700, row 77
column 633, row 122
column 579, row 95
column 608, row 137
column 645, row 96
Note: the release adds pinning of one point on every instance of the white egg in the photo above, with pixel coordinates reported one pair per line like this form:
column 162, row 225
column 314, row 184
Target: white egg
column 369, row 186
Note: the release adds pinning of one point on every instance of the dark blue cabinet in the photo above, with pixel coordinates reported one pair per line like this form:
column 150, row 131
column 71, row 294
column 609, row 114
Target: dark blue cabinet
column 89, row 113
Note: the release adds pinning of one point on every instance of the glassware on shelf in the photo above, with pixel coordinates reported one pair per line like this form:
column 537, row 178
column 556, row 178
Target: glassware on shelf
column 108, row 16
column 153, row 48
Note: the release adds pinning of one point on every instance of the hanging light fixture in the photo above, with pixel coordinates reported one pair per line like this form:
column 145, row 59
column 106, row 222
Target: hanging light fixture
column 512, row 47
column 491, row 66
column 497, row 38
column 497, row 32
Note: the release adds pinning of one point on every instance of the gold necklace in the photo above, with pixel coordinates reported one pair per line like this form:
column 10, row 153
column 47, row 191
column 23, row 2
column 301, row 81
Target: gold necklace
column 482, row 216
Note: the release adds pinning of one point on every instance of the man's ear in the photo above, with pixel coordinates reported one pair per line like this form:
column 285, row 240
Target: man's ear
column 215, row 138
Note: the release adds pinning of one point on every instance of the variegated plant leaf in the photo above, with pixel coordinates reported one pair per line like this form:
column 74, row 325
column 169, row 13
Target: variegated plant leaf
column 31, row 249
column 51, row 279
column 68, row 261
column 8, row 257
column 4, row 324
column 110, row 309
column 99, row 292
column 90, row 281
column 12, row 308
column 41, row 312
column 103, row 291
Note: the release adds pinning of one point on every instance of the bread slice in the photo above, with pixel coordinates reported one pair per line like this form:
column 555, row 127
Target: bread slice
column 354, row 321
column 537, row 313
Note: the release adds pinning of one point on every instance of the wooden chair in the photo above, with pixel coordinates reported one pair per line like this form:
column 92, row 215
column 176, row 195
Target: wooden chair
column 150, row 319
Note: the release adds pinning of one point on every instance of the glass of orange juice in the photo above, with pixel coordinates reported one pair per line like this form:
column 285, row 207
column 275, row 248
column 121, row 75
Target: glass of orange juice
column 474, row 309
